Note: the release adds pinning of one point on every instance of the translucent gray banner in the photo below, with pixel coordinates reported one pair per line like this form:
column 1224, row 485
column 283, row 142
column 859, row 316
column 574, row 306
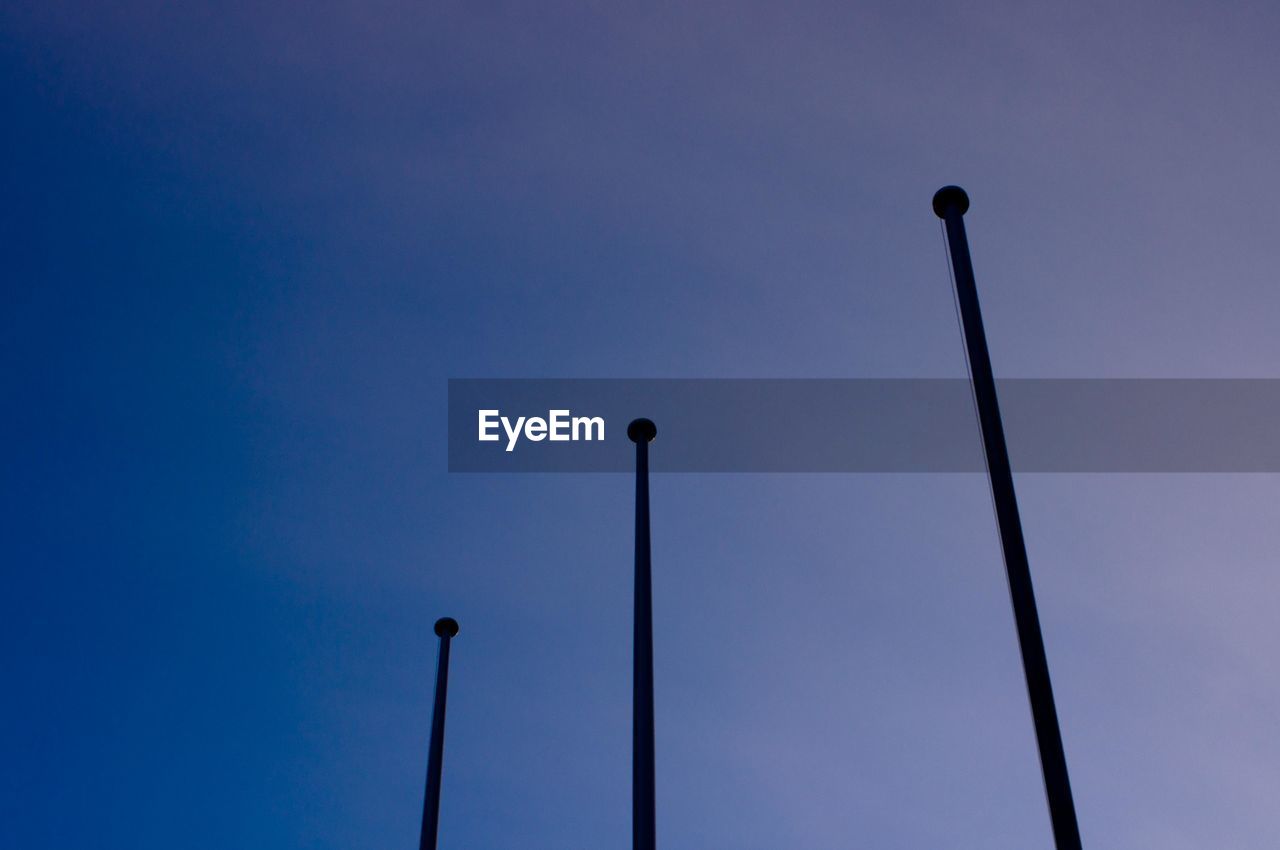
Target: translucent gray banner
column 863, row 425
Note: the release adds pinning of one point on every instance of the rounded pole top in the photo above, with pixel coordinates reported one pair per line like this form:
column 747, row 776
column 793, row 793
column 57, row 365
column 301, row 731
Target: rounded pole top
column 947, row 197
column 642, row 429
column 446, row 627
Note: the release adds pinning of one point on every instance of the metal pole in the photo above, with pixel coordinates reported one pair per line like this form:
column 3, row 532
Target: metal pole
column 950, row 204
column 446, row 628
column 643, row 818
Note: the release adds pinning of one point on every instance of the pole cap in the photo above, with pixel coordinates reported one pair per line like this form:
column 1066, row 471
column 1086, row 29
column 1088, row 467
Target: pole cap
column 446, row 627
column 642, row 429
column 950, row 196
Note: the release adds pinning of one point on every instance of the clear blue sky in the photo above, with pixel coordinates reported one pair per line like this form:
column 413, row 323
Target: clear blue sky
column 246, row 244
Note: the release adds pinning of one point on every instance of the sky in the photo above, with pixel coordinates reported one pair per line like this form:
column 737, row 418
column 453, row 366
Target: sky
column 247, row 244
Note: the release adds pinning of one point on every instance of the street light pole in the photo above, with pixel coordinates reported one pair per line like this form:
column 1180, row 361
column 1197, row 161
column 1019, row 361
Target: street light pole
column 643, row 815
column 446, row 628
column 950, row 204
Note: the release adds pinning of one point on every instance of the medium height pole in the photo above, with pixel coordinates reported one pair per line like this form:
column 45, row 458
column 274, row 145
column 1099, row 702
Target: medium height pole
column 950, row 203
column 446, row 628
column 643, row 817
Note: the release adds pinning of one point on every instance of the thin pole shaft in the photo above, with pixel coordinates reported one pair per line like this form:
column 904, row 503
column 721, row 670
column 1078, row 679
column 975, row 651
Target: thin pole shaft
column 446, row 628
column 950, row 204
column 643, row 814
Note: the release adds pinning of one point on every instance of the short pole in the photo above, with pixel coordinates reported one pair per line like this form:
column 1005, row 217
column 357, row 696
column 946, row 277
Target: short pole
column 446, row 628
column 643, row 816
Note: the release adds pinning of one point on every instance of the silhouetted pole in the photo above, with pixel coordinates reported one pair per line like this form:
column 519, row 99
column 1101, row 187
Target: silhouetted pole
column 950, row 203
column 643, row 817
column 446, row 628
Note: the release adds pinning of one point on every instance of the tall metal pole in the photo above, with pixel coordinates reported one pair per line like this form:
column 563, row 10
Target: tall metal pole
column 950, row 204
column 446, row 628
column 643, row 817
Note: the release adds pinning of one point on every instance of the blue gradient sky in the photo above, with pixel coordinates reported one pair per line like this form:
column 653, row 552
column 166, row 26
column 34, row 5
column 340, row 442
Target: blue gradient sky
column 246, row 245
